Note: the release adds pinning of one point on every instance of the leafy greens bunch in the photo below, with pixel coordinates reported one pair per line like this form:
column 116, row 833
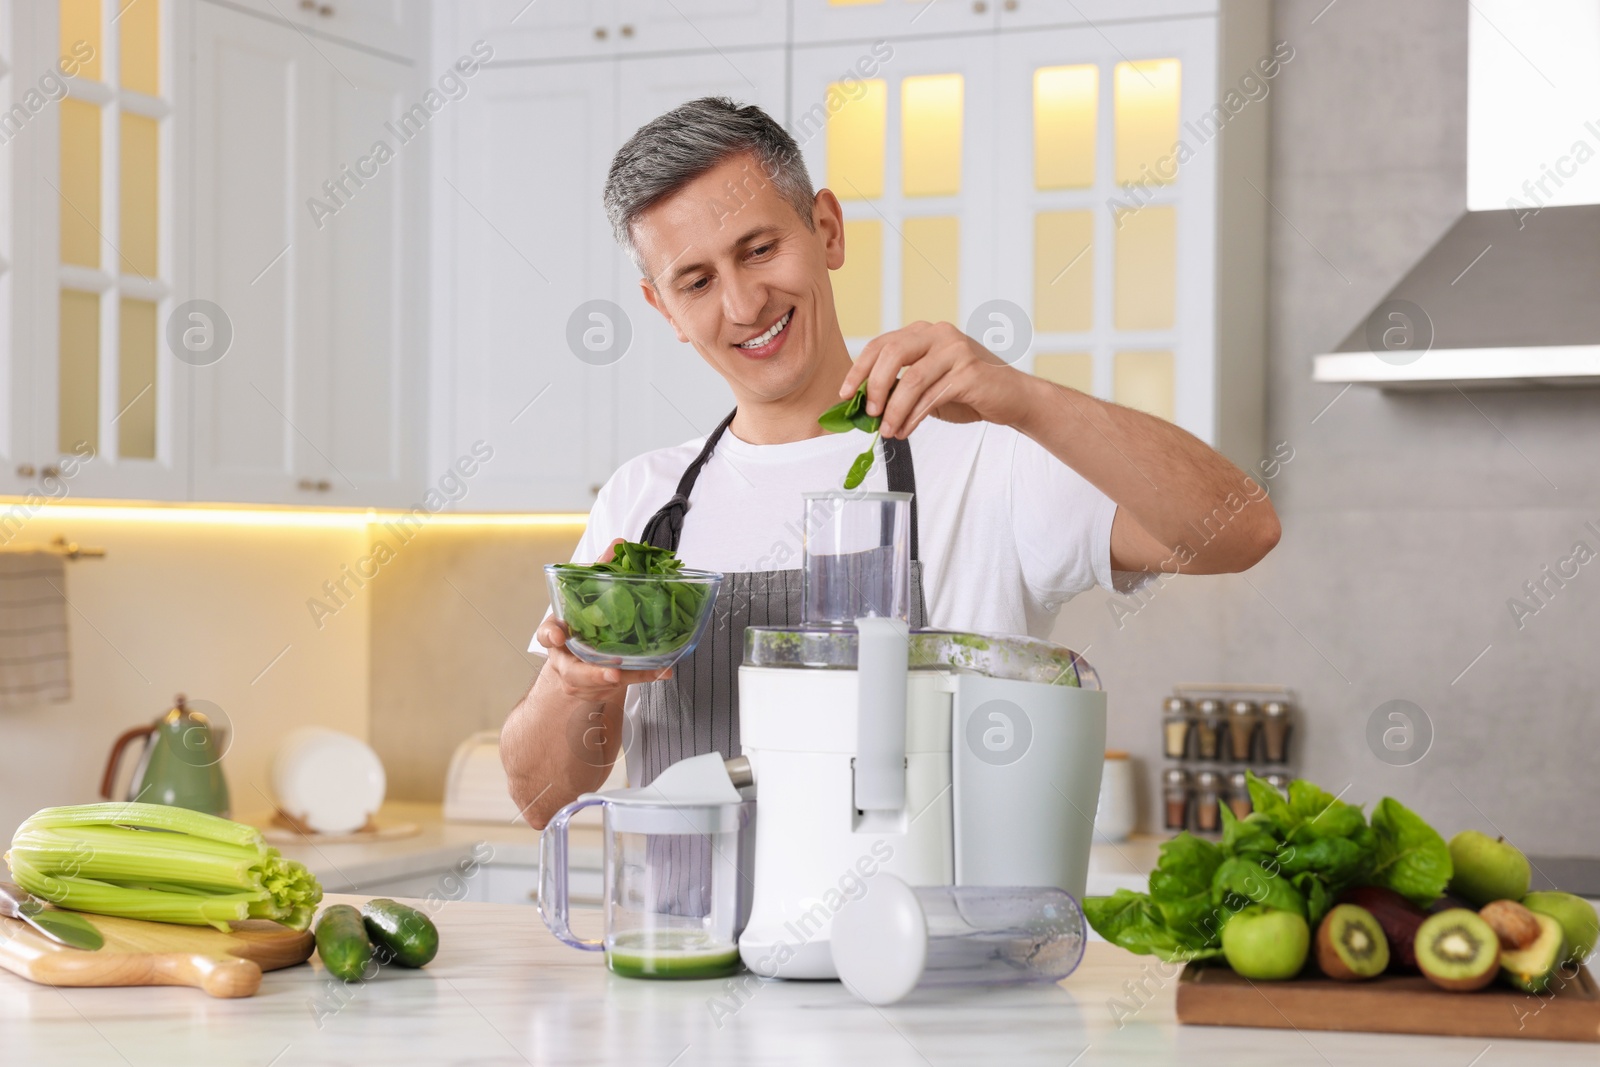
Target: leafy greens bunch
column 630, row 618
column 1293, row 854
column 848, row 415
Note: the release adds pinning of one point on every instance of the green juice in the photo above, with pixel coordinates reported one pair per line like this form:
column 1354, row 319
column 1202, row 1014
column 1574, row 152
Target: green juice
column 671, row 954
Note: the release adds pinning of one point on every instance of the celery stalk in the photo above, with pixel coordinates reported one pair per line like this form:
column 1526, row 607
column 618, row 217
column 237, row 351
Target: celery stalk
column 165, row 864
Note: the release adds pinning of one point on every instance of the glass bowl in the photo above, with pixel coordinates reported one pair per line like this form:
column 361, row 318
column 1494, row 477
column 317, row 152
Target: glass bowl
column 637, row 622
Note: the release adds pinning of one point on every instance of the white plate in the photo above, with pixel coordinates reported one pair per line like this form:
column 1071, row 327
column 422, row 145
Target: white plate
column 329, row 781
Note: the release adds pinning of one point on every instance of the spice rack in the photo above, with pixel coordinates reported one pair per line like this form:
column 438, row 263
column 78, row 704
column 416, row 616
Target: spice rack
column 1211, row 734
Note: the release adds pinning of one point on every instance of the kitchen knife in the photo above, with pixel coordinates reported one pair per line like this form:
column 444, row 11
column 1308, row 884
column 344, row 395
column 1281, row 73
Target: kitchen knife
column 63, row 927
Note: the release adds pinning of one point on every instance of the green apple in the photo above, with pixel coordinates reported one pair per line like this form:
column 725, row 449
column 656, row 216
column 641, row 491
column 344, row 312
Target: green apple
column 1264, row 943
column 1487, row 869
column 1577, row 917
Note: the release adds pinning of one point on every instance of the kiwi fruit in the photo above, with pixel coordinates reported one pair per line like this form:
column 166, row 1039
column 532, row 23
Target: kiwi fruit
column 1398, row 916
column 1351, row 945
column 1513, row 924
column 1457, row 950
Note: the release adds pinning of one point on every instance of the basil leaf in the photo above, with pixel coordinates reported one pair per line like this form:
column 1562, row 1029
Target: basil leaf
column 1410, row 856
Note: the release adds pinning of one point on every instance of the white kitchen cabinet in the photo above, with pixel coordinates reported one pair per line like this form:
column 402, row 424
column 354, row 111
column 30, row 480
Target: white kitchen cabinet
column 392, row 26
column 521, row 31
column 828, row 21
column 1091, row 13
column 668, row 393
column 525, row 250
column 540, row 298
column 696, row 25
column 303, row 239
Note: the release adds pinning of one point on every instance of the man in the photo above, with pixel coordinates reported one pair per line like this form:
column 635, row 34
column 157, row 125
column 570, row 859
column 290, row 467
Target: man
column 1026, row 492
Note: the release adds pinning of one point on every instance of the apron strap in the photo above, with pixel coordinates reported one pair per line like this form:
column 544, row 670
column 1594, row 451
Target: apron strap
column 666, row 525
column 902, row 477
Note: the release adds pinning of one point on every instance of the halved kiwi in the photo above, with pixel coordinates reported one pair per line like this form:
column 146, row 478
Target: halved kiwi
column 1457, row 950
column 1351, row 945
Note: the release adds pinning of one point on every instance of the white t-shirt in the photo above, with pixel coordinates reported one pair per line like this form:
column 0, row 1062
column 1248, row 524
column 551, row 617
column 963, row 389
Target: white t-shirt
column 1006, row 532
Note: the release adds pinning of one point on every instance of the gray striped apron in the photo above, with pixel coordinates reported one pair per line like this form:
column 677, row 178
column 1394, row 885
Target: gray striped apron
column 697, row 710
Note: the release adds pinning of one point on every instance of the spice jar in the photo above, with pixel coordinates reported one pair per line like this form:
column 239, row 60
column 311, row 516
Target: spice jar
column 1280, row 782
column 1175, row 794
column 1177, row 724
column 1243, row 716
column 1207, row 796
column 1211, row 725
column 1275, row 726
column 1239, row 794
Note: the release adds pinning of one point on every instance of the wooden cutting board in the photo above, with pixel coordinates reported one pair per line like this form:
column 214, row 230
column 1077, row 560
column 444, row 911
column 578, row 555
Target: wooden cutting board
column 147, row 953
column 1214, row 995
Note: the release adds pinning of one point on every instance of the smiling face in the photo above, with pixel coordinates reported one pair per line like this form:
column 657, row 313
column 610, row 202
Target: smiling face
column 743, row 279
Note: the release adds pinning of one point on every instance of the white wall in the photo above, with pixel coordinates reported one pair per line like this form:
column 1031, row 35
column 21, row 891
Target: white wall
column 200, row 610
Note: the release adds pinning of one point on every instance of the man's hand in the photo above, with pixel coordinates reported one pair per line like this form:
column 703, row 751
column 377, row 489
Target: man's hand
column 934, row 369
column 589, row 681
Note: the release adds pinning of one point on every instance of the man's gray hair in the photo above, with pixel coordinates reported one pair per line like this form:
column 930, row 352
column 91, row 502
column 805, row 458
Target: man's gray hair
column 674, row 149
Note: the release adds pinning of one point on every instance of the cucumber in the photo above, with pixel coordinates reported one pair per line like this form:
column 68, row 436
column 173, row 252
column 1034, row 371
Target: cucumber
column 342, row 943
column 401, row 932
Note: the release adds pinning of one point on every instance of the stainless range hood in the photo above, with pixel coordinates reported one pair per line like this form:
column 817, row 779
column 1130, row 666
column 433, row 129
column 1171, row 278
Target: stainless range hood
column 1505, row 299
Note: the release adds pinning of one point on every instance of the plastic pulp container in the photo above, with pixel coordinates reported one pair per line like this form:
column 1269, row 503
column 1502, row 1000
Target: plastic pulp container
column 857, row 557
column 898, row 938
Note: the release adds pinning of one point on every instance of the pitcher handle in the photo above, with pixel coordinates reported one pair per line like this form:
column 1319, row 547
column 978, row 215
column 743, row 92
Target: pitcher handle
column 553, row 875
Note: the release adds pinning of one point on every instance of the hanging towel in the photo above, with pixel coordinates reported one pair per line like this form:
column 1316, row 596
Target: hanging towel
column 35, row 666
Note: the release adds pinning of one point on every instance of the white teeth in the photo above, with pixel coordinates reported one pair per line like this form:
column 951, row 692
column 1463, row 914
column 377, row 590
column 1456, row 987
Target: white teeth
column 777, row 327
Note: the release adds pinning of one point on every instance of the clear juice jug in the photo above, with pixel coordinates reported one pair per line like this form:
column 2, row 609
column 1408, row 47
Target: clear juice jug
column 675, row 903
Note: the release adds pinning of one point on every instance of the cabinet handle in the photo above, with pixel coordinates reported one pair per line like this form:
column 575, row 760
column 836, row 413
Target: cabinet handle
column 979, row 7
column 594, row 490
column 326, row 10
column 599, row 33
column 307, row 484
column 308, row 5
column 51, row 471
column 25, row 470
column 627, row 31
column 319, row 485
column 1011, row 5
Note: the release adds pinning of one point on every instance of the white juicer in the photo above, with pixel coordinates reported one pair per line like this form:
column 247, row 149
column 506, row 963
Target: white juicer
column 943, row 758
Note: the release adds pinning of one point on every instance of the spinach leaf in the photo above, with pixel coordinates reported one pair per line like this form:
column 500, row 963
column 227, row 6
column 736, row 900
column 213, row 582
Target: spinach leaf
column 630, row 618
column 1411, row 858
column 1294, row 853
column 1132, row 921
column 848, row 415
column 1247, row 878
column 1255, row 833
column 859, row 469
column 1320, row 814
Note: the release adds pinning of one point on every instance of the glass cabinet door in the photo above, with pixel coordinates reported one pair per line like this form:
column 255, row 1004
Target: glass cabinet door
column 110, row 395
column 1107, row 210
column 902, row 133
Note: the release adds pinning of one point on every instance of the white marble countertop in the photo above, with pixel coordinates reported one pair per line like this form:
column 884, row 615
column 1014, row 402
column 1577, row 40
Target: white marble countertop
column 503, row 992
column 438, row 845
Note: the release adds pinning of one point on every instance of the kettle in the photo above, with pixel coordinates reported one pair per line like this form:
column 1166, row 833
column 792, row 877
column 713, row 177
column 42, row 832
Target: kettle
column 180, row 763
